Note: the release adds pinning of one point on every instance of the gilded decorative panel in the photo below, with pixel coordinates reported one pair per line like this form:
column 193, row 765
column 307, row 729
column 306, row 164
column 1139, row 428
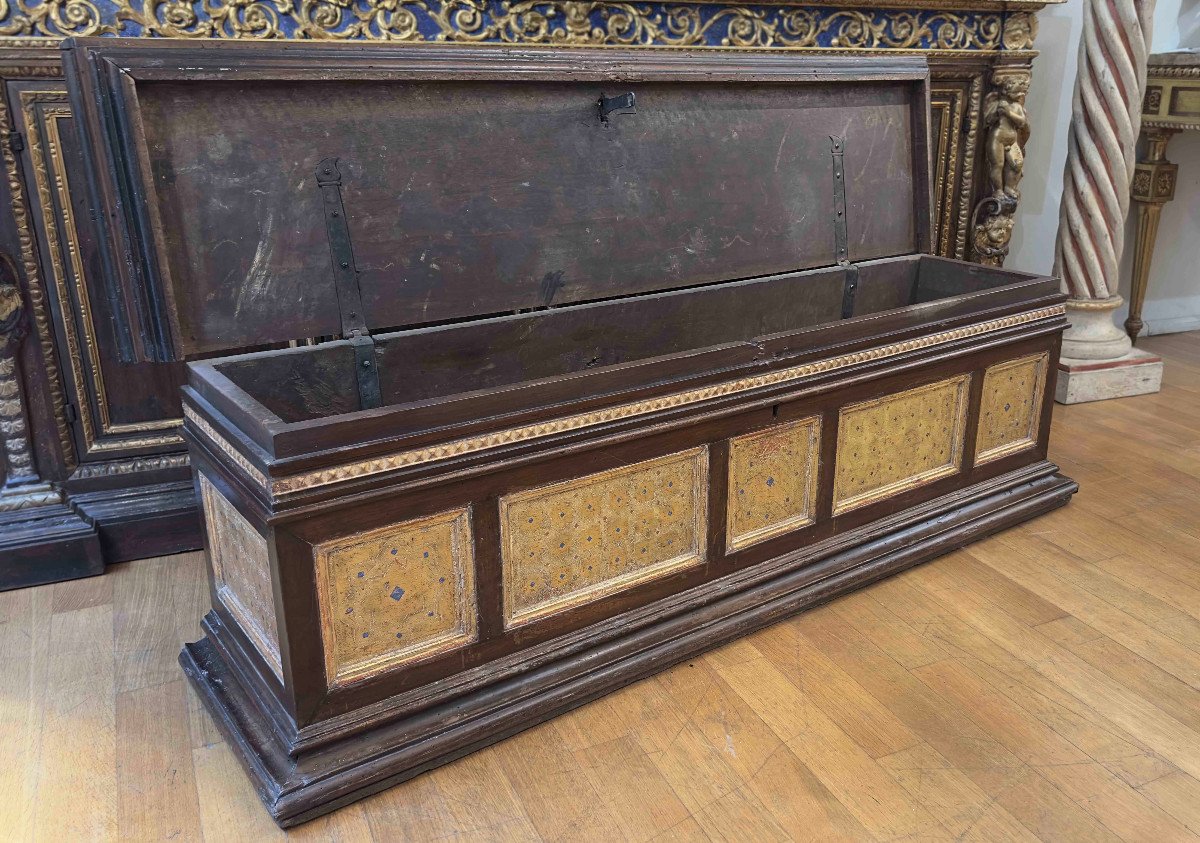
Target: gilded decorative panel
column 1011, row 407
column 571, row 543
column 241, row 566
column 898, row 442
column 396, row 595
column 772, row 482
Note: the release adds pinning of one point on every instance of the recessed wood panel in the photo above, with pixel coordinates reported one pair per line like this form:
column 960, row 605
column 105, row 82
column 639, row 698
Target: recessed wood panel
column 571, row 543
column 396, row 595
column 898, row 442
column 241, row 566
column 1010, row 409
column 772, row 482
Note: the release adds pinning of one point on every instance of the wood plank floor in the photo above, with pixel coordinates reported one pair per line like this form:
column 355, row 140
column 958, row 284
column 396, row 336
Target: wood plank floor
column 1042, row 684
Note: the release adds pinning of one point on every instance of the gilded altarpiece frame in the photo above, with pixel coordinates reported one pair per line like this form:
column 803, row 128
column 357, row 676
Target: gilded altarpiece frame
column 66, row 452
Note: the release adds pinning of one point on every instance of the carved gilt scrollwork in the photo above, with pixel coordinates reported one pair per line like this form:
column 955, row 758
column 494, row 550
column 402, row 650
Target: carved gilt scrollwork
column 575, row 22
column 1007, row 128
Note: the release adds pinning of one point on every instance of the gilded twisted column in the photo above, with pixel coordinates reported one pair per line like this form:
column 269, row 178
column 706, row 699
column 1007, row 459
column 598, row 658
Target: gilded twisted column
column 1101, row 155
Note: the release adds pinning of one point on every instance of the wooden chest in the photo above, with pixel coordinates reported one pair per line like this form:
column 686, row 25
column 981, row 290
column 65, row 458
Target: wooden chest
column 638, row 352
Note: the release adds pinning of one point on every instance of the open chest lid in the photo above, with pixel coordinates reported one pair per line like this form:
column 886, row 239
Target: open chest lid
column 251, row 194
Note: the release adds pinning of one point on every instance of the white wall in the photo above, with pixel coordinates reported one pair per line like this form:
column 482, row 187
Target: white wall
column 1173, row 299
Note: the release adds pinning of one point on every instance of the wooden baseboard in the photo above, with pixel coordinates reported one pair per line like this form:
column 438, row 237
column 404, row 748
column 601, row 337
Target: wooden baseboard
column 370, row 753
column 143, row 521
column 45, row 544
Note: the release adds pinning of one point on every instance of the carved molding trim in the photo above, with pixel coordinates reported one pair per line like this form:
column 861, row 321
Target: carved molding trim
column 136, row 465
column 277, row 487
column 968, row 176
column 28, row 496
column 956, row 141
column 34, row 288
column 1160, row 71
column 43, row 110
column 891, row 24
column 191, row 417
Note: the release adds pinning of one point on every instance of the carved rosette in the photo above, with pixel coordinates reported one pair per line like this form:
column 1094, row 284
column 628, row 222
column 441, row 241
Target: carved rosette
column 1101, row 160
column 1007, row 133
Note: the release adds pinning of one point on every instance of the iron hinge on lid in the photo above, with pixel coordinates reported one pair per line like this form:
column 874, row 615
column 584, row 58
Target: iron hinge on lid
column 345, row 281
column 621, row 104
column 840, row 236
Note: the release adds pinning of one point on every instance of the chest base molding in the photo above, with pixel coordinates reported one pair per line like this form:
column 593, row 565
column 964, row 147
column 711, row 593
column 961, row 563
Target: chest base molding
column 299, row 780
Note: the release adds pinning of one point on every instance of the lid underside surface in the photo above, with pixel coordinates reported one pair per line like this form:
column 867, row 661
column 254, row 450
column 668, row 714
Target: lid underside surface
column 482, row 197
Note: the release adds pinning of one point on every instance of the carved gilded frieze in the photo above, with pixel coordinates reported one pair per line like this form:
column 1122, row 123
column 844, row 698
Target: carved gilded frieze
column 298, row 482
column 938, row 25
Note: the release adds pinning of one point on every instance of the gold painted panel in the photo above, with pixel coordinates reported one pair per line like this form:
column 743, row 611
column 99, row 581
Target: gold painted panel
column 1010, row 410
column 571, row 543
column 396, row 595
column 241, row 566
column 772, row 482
column 898, row 442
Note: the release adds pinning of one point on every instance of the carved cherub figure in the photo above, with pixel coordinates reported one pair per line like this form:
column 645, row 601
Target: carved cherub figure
column 1008, row 131
column 991, row 240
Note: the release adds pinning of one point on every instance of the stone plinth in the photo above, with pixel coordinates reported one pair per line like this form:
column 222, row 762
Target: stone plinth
column 1134, row 373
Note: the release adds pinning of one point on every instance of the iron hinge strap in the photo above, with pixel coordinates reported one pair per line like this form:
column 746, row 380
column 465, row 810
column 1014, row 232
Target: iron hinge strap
column 841, row 237
column 345, row 282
